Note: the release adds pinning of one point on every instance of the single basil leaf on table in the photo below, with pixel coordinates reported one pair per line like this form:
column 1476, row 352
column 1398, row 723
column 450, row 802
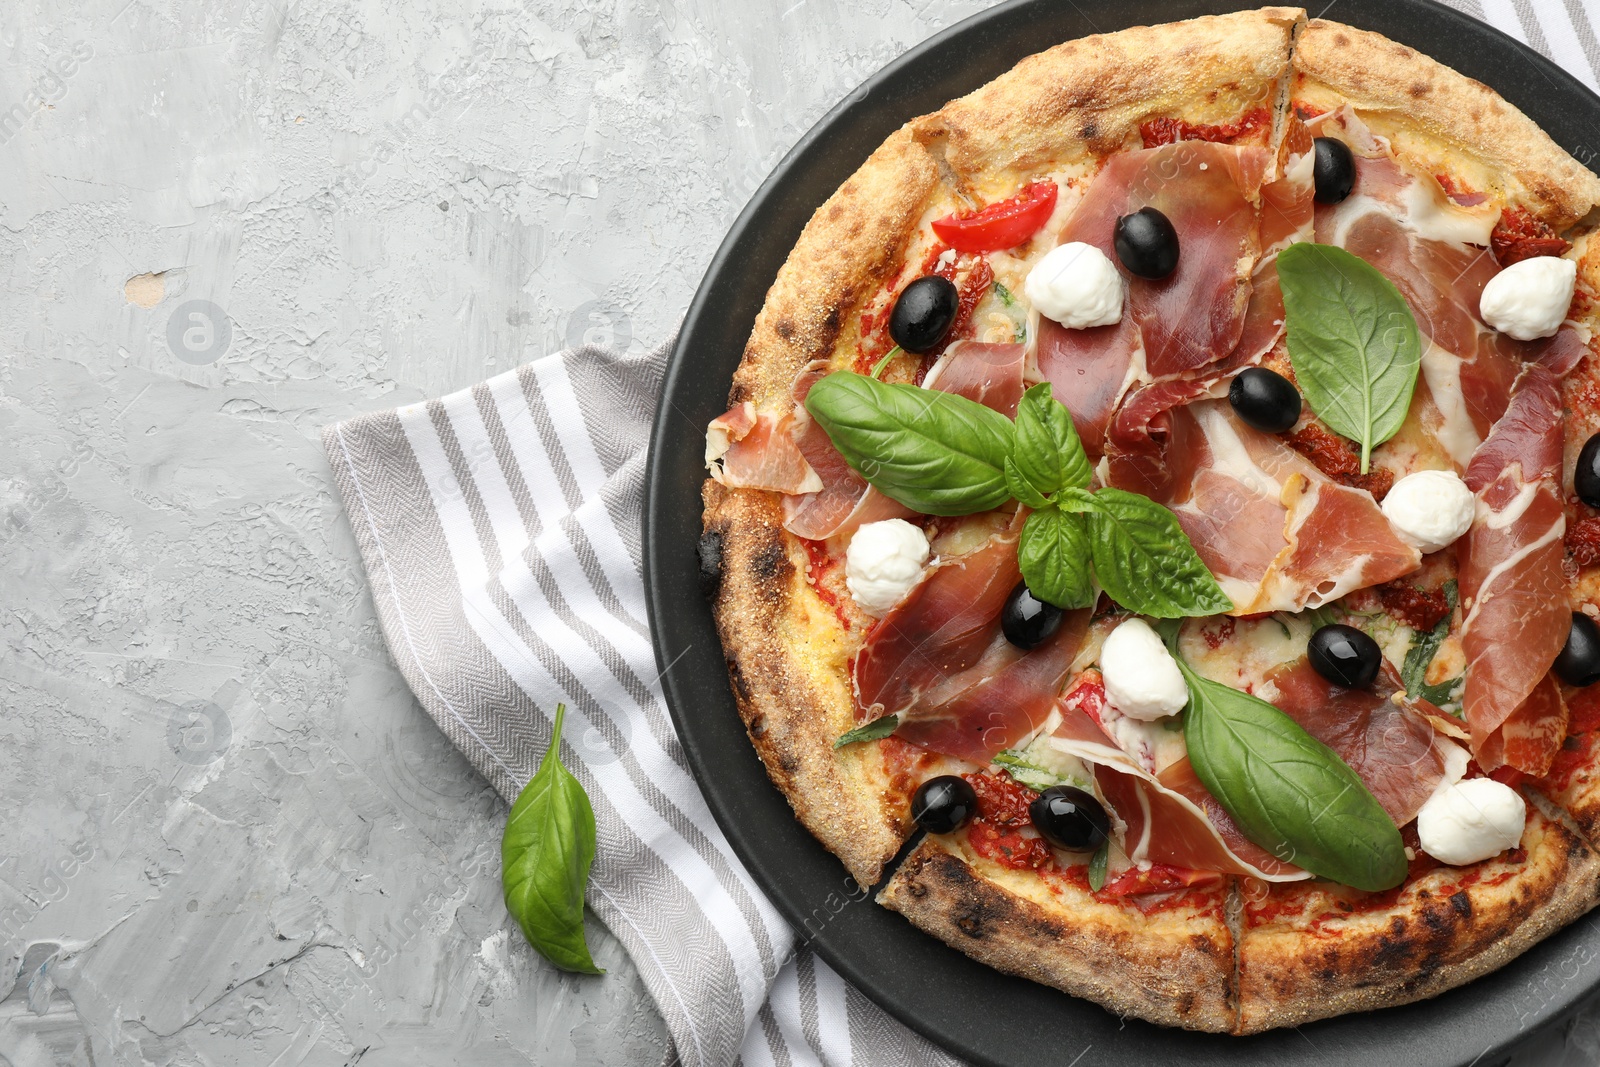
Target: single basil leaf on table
column 1353, row 342
column 545, row 856
column 1142, row 557
column 878, row 728
column 1424, row 646
column 1053, row 554
column 1287, row 791
column 936, row 453
column 1097, row 867
column 1048, row 452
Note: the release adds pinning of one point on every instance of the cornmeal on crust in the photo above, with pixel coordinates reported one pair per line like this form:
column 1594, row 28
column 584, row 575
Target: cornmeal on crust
column 789, row 648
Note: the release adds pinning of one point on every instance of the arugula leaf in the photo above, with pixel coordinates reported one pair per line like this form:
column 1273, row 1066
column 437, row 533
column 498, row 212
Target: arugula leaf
column 1424, row 646
column 1142, row 557
column 936, row 453
column 545, row 856
column 878, row 728
column 1047, row 452
column 1054, row 554
column 1097, row 867
column 1353, row 342
column 1287, row 791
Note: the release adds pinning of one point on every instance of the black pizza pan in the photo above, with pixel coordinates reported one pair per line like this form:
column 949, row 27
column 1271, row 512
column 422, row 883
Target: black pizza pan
column 975, row 1012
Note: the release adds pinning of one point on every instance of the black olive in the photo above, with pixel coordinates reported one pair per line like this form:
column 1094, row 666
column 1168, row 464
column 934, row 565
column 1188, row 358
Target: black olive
column 1026, row 620
column 1334, row 170
column 1070, row 819
column 1345, row 656
column 1586, row 477
column 1579, row 661
column 1146, row 243
column 1265, row 399
column 941, row 804
column 924, row 313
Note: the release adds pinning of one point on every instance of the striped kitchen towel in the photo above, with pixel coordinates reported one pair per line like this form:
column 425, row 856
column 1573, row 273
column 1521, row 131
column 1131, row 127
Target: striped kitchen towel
column 500, row 529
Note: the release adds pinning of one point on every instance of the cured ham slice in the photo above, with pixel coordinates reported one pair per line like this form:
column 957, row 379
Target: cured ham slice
column 1277, row 533
column 1169, row 816
column 988, row 373
column 747, row 450
column 1512, row 587
column 1179, row 324
column 1391, row 746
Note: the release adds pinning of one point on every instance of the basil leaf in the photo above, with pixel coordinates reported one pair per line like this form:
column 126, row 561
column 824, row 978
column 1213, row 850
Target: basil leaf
column 1142, row 557
column 1353, row 342
column 936, row 453
column 1053, row 553
column 1048, row 452
column 1097, row 867
column 1443, row 693
column 1287, row 791
column 1021, row 488
column 545, row 855
column 881, row 727
column 1424, row 646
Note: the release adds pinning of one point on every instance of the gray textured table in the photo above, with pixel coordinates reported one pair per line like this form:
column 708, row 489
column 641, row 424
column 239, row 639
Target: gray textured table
column 229, row 835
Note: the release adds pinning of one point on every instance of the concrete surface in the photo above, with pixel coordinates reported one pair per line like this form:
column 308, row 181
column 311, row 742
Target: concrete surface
column 229, row 835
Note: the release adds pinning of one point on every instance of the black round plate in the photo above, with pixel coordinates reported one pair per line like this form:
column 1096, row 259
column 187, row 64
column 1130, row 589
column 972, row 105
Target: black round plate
column 971, row 1010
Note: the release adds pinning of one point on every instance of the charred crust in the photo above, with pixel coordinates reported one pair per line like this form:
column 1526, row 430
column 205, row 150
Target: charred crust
column 709, row 552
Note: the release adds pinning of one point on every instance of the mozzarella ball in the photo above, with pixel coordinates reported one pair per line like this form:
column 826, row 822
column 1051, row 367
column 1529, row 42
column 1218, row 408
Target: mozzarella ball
column 1529, row 299
column 1142, row 679
column 1431, row 508
column 883, row 563
column 1076, row 285
column 1471, row 821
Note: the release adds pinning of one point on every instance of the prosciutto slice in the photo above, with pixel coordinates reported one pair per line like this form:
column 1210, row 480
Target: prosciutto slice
column 1512, row 587
column 1391, row 746
column 1277, row 533
column 1169, row 816
column 747, row 450
column 988, row 373
column 1181, row 323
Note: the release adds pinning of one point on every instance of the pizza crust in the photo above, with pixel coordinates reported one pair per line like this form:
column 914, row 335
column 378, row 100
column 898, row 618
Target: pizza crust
column 1389, row 83
column 1173, row 968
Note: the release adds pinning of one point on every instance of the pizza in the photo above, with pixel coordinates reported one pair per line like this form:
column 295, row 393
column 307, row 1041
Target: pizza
column 1154, row 530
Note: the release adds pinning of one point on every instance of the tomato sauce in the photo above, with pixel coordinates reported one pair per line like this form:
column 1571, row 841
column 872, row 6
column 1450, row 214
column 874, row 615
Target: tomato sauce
column 1583, row 541
column 1162, row 131
column 821, row 564
column 995, row 831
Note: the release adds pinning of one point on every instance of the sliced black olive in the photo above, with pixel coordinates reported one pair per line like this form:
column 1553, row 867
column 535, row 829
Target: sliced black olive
column 1070, row 819
column 1146, row 243
column 1026, row 620
column 1586, row 478
column 1579, row 661
column 924, row 313
column 1334, row 170
column 941, row 804
column 1345, row 656
column 1265, row 399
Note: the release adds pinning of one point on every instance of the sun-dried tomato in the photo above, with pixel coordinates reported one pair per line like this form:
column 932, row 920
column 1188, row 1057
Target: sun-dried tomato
column 1518, row 236
column 1417, row 609
column 1338, row 459
column 1162, row 131
column 1583, row 541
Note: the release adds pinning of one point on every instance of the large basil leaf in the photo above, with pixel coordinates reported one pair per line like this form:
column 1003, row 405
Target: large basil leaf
column 1353, row 342
column 544, row 860
column 1287, row 791
column 1142, row 557
column 1424, row 646
column 1054, row 555
column 1021, row 488
column 1048, row 453
column 936, row 453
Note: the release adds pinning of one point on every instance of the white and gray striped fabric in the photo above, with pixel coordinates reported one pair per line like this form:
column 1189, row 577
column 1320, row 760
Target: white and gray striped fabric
column 500, row 529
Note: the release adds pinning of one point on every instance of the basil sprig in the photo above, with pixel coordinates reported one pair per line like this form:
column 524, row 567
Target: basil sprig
column 1288, row 792
column 1353, row 342
column 937, row 453
column 544, row 860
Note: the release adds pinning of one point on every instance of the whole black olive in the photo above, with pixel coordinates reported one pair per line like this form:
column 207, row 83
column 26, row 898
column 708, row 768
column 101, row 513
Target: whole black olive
column 1579, row 661
column 1265, row 399
column 1026, row 620
column 1334, row 170
column 924, row 313
column 941, row 804
column 1586, row 477
column 1345, row 656
column 1146, row 243
column 1070, row 819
